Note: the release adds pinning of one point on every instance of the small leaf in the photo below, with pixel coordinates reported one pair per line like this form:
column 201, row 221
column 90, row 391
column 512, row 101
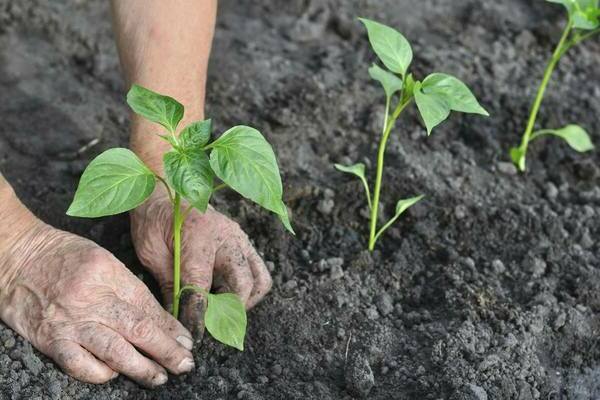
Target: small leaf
column 574, row 135
column 359, row 171
column 225, row 319
column 586, row 20
column 433, row 108
column 114, row 182
column 405, row 204
column 155, row 107
column 569, row 4
column 391, row 46
column 245, row 161
column 190, row 174
column 456, row 93
column 518, row 158
column 390, row 82
column 196, row 135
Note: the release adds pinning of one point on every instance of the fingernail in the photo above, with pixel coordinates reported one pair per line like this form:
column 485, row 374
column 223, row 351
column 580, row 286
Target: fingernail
column 114, row 375
column 185, row 342
column 159, row 379
column 186, row 365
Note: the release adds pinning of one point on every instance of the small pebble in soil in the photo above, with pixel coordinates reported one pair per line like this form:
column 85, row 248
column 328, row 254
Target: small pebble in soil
column 474, row 392
column 507, row 168
column 384, row 303
column 498, row 267
column 551, row 191
column 336, row 272
column 359, row 376
column 325, row 206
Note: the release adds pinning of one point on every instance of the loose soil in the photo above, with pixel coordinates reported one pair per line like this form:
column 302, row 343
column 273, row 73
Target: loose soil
column 488, row 289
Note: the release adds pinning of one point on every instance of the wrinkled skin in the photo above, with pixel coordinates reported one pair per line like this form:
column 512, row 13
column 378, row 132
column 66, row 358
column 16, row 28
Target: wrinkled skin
column 213, row 248
column 76, row 303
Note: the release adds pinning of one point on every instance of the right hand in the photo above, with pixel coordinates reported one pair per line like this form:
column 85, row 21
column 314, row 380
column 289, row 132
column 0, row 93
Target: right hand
column 76, row 303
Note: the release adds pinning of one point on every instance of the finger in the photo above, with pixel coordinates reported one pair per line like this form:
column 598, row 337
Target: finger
column 150, row 306
column 121, row 356
column 233, row 271
column 79, row 363
column 262, row 278
column 144, row 333
column 197, row 270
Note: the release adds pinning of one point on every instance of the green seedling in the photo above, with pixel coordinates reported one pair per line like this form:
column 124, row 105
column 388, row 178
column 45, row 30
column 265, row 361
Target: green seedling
column 118, row 181
column 583, row 23
column 436, row 96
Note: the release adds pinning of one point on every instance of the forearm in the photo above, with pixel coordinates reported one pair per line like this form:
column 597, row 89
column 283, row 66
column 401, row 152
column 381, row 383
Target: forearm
column 164, row 46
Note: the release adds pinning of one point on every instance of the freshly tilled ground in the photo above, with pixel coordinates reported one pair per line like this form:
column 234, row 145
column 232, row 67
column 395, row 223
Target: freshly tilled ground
column 487, row 289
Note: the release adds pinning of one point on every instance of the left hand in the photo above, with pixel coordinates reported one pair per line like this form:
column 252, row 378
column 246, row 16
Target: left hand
column 214, row 250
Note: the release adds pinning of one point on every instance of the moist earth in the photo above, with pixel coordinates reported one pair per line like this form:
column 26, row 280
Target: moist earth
column 487, row 289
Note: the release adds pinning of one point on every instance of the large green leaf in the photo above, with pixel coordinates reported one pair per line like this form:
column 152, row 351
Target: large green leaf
column 584, row 14
column 155, row 107
column 190, row 174
column 391, row 46
column 245, row 161
column 390, row 82
column 455, row 92
column 574, row 135
column 433, row 109
column 114, row 182
column 225, row 319
column 439, row 94
column 196, row 135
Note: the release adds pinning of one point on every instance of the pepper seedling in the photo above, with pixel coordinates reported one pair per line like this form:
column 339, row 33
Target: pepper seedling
column 117, row 181
column 436, row 96
column 583, row 23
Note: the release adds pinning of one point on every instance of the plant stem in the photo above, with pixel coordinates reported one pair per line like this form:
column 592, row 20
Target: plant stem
column 387, row 128
column 177, row 224
column 561, row 48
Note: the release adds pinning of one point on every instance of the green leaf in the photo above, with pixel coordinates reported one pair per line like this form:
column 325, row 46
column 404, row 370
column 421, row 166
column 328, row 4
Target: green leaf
column 574, row 135
column 196, row 135
column 225, row 319
column 114, row 182
column 189, row 173
column 357, row 170
column 155, row 107
column 390, row 82
column 245, row 161
column 517, row 155
column 456, row 93
column 403, row 205
column 433, row 109
column 391, row 46
column 439, row 94
column 586, row 20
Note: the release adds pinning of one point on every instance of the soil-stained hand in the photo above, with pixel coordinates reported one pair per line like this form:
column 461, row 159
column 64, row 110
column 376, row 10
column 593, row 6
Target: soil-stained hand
column 214, row 252
column 76, row 303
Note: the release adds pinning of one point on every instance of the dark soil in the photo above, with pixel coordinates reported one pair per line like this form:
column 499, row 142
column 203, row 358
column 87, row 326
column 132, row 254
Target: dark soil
column 489, row 289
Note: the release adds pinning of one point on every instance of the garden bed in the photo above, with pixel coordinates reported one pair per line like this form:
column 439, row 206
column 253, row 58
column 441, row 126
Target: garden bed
column 487, row 289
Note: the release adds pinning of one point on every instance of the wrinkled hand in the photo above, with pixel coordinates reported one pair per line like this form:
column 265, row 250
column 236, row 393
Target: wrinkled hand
column 213, row 247
column 76, row 303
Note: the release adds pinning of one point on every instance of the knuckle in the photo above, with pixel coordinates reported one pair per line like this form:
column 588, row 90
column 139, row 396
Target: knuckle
column 116, row 351
column 144, row 329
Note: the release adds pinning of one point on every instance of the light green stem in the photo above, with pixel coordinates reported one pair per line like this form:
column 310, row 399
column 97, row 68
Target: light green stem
column 560, row 50
column 177, row 225
column 387, row 128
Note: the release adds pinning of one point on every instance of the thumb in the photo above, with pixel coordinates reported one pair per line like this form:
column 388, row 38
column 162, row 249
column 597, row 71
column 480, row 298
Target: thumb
column 196, row 270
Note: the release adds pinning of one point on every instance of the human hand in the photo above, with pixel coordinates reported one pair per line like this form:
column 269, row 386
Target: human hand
column 76, row 303
column 213, row 247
